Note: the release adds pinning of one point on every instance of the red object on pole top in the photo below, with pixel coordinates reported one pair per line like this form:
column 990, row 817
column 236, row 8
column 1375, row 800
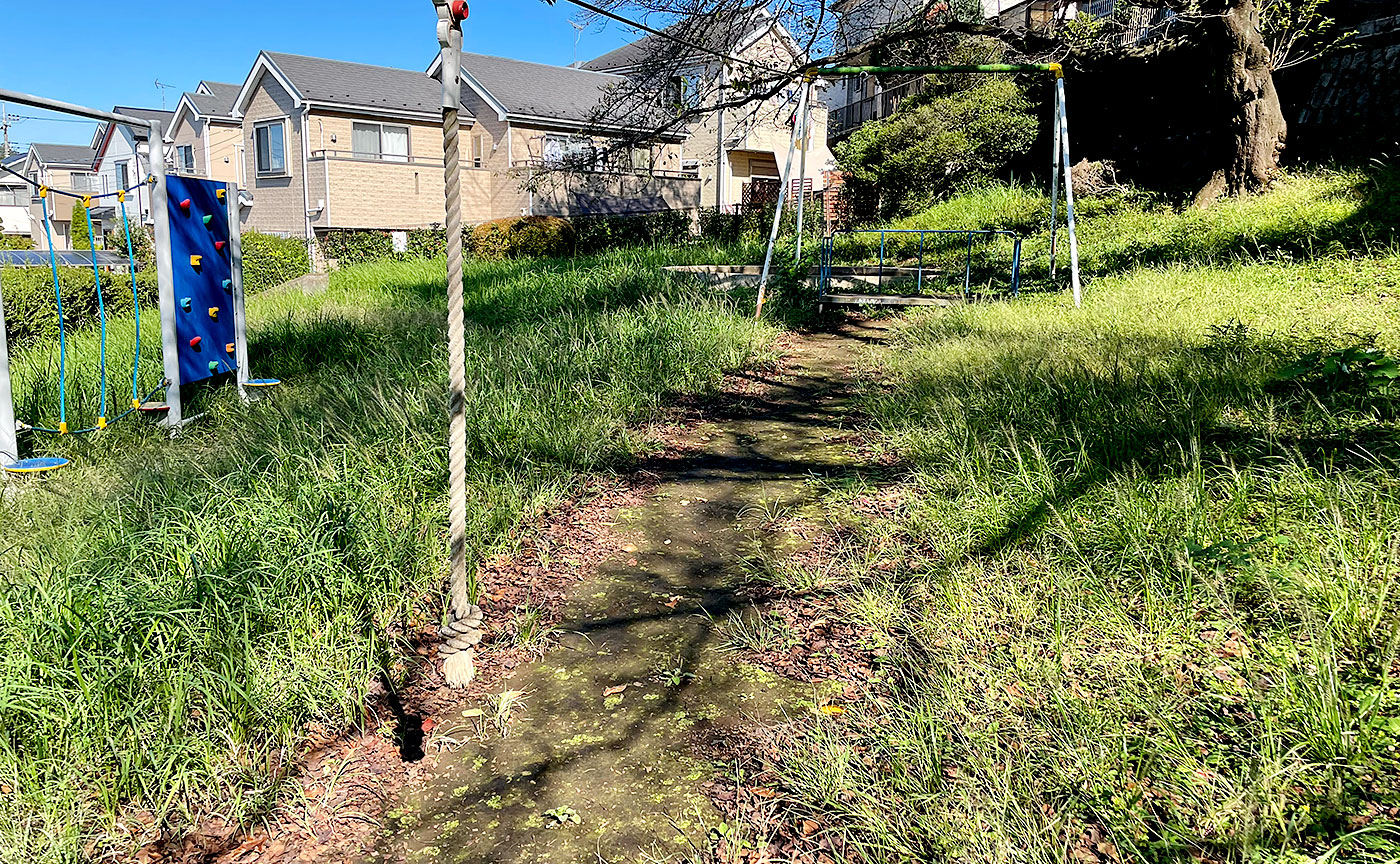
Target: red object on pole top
column 459, row 10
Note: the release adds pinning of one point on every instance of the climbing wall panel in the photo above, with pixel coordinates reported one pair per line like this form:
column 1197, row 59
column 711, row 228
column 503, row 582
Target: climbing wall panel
column 199, row 250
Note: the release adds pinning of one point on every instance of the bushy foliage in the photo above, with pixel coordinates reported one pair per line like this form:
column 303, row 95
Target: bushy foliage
column 960, row 128
column 523, row 237
column 595, row 233
column 356, row 247
column 429, row 242
column 142, row 246
column 15, row 241
column 31, row 313
column 79, row 236
column 269, row 260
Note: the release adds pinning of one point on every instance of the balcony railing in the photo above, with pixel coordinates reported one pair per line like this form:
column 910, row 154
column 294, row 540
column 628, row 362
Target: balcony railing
column 352, row 156
column 539, row 164
column 846, row 118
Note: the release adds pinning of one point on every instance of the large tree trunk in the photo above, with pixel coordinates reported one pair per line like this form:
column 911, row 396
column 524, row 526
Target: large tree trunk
column 1257, row 125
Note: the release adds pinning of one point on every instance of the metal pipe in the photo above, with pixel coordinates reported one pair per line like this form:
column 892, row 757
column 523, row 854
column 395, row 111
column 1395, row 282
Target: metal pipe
column 1016, row 268
column 967, row 274
column 235, row 257
column 1069, row 198
column 68, row 108
column 1055, row 185
column 778, row 211
column 982, row 68
column 9, row 442
column 802, row 173
column 165, row 278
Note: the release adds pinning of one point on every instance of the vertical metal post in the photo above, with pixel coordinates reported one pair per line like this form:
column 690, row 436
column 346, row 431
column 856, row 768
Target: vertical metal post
column 778, row 212
column 802, row 170
column 165, row 277
column 1055, row 184
column 9, row 443
column 1069, row 193
column 967, row 274
column 1016, row 268
column 719, row 144
column 880, row 273
column 235, row 259
column 920, row 287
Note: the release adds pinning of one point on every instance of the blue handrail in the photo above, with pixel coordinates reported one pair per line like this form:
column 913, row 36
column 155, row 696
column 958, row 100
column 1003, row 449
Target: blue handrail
column 829, row 247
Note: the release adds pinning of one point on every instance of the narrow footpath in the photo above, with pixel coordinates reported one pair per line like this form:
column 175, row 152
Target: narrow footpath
column 589, row 755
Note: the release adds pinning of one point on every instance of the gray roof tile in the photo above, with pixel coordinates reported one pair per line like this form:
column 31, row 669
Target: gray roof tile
column 219, row 102
column 541, row 90
column 63, row 154
column 720, row 33
column 343, row 83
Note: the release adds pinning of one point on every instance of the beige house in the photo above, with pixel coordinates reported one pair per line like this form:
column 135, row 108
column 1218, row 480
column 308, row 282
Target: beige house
column 329, row 145
column 205, row 138
column 738, row 153
column 59, row 166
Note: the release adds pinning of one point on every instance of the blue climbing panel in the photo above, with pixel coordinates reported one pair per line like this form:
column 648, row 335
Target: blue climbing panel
column 199, row 251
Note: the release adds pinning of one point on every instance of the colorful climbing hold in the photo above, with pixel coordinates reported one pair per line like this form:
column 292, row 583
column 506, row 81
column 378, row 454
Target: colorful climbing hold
column 208, row 218
column 219, row 245
column 228, row 284
column 195, row 259
column 194, row 343
column 230, row 348
column 214, row 312
column 185, row 205
column 213, row 365
column 186, row 303
column 221, row 194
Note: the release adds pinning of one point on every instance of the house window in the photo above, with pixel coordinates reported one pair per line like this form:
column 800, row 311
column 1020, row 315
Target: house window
column 478, row 150
column 562, row 149
column 685, row 91
column 184, row 157
column 270, row 146
column 376, row 141
column 123, row 175
column 641, row 159
column 84, row 183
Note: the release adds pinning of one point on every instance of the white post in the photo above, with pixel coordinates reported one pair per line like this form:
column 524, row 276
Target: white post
column 778, row 212
column 1069, row 193
column 719, row 144
column 235, row 260
column 802, row 171
column 165, row 279
column 9, row 443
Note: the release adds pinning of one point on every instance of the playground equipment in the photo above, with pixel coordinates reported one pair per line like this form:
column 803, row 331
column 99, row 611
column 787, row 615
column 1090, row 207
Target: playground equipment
column 199, row 273
column 828, row 273
column 1060, row 162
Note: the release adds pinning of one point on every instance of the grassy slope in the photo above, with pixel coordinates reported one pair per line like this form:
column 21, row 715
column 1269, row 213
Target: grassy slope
column 175, row 612
column 1134, row 584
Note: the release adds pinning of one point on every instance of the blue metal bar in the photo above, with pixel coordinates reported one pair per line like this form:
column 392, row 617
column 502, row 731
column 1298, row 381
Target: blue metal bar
column 880, row 275
column 920, row 286
column 1016, row 268
column 967, row 275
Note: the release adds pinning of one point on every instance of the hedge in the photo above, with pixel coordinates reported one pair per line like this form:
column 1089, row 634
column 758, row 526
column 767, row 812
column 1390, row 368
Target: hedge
column 269, row 261
column 30, row 312
column 523, row 237
column 595, row 233
column 357, row 247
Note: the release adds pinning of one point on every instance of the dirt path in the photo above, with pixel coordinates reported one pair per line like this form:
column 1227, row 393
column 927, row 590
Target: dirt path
column 602, row 727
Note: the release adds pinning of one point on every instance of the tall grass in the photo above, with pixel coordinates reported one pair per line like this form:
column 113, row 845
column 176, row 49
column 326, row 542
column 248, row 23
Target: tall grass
column 176, row 613
column 1146, row 584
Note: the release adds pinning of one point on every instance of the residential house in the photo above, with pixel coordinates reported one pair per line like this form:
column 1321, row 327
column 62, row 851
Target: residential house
column 206, row 139
column 331, row 145
column 533, row 119
column 122, row 157
column 60, row 166
column 14, row 198
column 737, row 153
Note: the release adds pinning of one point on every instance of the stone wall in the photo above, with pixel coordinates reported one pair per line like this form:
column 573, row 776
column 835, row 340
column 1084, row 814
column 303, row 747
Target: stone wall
column 1352, row 105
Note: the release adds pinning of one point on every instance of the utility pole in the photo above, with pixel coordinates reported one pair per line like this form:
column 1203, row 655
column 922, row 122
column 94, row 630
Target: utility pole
column 5, row 125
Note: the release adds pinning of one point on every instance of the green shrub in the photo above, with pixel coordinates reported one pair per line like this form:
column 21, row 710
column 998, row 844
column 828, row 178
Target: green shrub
column 347, row 248
column 595, row 233
column 81, row 237
column 428, row 242
column 721, row 227
column 142, row 247
column 15, row 241
column 523, row 237
column 269, row 260
column 30, row 311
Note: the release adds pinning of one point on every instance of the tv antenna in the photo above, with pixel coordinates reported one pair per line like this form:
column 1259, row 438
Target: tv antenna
column 579, row 25
column 162, row 88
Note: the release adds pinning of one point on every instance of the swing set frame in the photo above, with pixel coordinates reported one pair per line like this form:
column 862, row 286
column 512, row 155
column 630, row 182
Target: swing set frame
column 165, row 280
column 1060, row 159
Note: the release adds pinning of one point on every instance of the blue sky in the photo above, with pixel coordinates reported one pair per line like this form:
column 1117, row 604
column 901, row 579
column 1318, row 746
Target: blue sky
column 102, row 56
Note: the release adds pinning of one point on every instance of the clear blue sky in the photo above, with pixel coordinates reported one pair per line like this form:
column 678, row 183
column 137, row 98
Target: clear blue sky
column 106, row 55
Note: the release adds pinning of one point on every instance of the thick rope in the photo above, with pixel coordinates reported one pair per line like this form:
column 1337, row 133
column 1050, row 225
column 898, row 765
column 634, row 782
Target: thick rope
column 463, row 631
column 58, row 301
column 135, row 303
column 102, row 322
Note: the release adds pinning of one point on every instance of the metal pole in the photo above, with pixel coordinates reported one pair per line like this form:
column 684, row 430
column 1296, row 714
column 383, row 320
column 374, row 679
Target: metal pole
column 719, row 145
column 802, row 173
column 1055, row 185
column 165, row 277
column 1069, row 195
column 778, row 212
column 68, row 108
column 9, row 443
column 827, row 71
column 235, row 258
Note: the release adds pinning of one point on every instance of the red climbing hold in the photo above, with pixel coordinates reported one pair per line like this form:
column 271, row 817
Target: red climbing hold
column 194, row 343
column 185, row 205
column 219, row 245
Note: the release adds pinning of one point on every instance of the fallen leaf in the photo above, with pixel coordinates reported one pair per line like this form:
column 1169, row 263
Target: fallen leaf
column 613, row 691
column 671, row 604
column 5, row 789
column 763, row 792
column 472, row 712
column 809, row 827
column 832, row 710
column 428, row 724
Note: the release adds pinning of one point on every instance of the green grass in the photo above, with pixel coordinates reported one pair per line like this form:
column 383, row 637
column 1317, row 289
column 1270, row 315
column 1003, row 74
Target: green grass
column 177, row 614
column 1142, row 583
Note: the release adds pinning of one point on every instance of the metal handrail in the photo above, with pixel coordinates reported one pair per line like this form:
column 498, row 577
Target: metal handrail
column 829, row 251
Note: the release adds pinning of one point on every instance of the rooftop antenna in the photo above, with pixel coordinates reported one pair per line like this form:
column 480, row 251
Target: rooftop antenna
column 163, row 88
column 579, row 25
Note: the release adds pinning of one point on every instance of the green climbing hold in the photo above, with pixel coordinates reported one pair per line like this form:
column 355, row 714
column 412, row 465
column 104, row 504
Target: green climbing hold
column 208, row 218
column 213, row 365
